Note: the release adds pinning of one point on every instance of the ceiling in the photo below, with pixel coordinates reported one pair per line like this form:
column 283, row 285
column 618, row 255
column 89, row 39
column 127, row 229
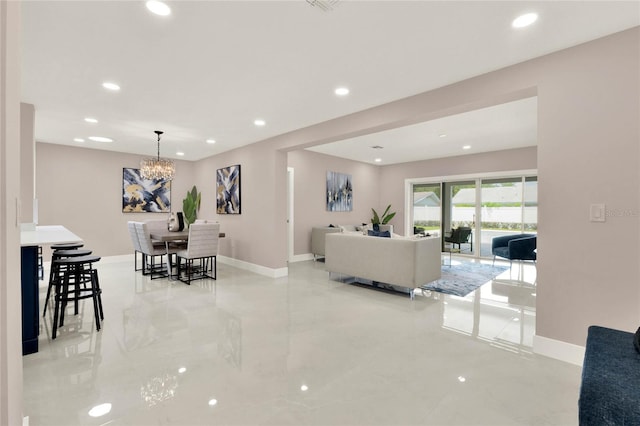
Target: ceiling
column 209, row 69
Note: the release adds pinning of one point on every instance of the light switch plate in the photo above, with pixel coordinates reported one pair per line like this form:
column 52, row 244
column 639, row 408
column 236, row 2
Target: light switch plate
column 597, row 213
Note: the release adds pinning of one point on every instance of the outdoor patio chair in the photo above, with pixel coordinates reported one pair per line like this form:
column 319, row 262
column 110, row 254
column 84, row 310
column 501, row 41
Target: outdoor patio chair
column 460, row 235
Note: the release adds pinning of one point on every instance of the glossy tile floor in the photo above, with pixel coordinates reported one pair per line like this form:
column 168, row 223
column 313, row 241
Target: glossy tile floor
column 300, row 350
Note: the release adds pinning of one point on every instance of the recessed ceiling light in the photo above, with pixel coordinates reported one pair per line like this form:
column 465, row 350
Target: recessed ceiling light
column 91, row 120
column 158, row 7
column 304, row 388
column 524, row 20
column 211, row 141
column 180, row 153
column 443, row 135
column 213, row 402
column 78, row 140
column 100, row 139
column 182, row 370
column 462, row 379
column 342, row 91
column 100, row 410
column 466, row 147
column 110, row 86
column 378, row 160
column 259, row 122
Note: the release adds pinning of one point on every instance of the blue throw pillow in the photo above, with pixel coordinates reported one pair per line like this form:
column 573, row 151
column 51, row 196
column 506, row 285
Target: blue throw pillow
column 379, row 233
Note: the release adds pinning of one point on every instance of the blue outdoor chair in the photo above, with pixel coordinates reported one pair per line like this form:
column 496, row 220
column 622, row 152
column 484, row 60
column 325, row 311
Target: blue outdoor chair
column 514, row 247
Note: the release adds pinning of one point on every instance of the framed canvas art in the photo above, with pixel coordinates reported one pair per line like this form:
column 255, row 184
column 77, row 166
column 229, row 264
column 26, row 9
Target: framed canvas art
column 228, row 190
column 144, row 195
column 339, row 192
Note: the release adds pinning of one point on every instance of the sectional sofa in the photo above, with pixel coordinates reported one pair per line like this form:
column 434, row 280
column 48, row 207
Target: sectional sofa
column 402, row 263
column 318, row 234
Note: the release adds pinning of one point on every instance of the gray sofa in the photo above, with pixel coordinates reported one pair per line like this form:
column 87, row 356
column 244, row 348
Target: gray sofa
column 407, row 263
column 609, row 392
column 318, row 234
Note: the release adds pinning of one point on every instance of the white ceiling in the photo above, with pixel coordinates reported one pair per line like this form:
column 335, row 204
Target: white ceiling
column 212, row 67
column 506, row 126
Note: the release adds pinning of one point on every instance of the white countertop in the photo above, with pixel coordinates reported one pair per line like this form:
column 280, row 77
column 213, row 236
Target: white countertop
column 43, row 235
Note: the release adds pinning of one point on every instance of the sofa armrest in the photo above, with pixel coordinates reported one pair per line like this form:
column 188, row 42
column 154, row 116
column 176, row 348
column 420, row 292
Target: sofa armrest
column 522, row 248
column 318, row 234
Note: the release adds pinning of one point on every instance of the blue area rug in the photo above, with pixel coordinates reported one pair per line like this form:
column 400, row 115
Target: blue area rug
column 461, row 279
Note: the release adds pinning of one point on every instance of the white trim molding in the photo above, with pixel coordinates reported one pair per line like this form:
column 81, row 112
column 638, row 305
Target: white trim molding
column 557, row 349
column 240, row 264
column 302, row 257
column 252, row 267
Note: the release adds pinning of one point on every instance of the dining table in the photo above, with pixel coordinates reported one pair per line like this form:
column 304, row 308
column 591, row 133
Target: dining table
column 167, row 237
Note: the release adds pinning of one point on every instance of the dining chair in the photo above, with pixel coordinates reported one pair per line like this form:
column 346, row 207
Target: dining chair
column 131, row 225
column 203, row 248
column 152, row 252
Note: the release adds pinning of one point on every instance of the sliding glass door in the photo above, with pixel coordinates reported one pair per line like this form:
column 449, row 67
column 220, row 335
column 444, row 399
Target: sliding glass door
column 427, row 208
column 508, row 206
column 460, row 212
column 490, row 207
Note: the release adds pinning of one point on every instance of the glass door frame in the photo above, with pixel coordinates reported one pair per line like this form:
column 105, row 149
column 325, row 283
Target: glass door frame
column 478, row 177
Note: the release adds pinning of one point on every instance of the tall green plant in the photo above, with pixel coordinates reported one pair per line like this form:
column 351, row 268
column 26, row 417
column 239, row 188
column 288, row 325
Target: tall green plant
column 191, row 205
column 384, row 218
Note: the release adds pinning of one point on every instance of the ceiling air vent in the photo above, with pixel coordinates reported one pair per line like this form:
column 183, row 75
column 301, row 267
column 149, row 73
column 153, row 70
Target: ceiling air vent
column 377, row 147
column 324, row 5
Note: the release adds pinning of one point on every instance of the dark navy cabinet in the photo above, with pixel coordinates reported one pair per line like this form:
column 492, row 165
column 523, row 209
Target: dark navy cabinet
column 30, row 303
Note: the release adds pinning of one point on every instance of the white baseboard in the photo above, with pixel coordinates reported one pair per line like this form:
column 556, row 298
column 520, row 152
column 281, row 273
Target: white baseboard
column 252, row 267
column 240, row 264
column 302, row 257
column 117, row 259
column 563, row 351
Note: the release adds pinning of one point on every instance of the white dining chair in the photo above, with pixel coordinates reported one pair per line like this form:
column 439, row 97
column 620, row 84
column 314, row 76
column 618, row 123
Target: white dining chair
column 131, row 225
column 203, row 248
column 153, row 251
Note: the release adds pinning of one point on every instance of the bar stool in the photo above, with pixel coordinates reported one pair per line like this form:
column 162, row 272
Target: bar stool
column 58, row 269
column 66, row 246
column 78, row 280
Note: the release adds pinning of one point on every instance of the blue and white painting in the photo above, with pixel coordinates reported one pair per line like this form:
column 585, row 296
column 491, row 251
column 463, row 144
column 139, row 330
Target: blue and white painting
column 144, row 195
column 228, row 190
column 339, row 192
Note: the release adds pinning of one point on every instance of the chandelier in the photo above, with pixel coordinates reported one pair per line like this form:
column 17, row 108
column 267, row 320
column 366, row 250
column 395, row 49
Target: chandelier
column 157, row 168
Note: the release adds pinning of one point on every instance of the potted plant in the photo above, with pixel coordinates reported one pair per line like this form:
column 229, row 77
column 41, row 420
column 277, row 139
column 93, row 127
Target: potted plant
column 191, row 205
column 383, row 219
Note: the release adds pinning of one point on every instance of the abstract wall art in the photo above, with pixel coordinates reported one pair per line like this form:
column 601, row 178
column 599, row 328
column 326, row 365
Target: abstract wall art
column 144, row 195
column 339, row 192
column 228, row 190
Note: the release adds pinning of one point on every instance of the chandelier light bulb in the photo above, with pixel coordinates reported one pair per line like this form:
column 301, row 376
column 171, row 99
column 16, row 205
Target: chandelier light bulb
column 157, row 168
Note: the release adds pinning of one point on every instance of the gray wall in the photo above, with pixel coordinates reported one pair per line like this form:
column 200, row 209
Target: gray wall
column 10, row 193
column 81, row 189
column 310, row 172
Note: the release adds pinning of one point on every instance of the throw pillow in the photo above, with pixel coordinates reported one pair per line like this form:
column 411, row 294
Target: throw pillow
column 385, row 234
column 636, row 340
